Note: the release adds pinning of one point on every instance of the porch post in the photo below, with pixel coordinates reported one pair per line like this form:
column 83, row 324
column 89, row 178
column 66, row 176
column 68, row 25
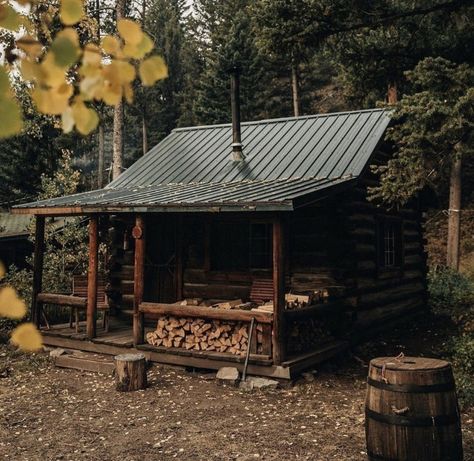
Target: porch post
column 37, row 270
column 92, row 276
column 278, row 336
column 179, row 258
column 139, row 279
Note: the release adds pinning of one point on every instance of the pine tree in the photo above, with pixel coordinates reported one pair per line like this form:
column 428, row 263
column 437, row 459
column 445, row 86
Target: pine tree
column 156, row 110
column 227, row 40
column 433, row 137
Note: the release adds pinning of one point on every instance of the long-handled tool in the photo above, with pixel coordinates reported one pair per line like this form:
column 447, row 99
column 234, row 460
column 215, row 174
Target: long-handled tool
column 249, row 342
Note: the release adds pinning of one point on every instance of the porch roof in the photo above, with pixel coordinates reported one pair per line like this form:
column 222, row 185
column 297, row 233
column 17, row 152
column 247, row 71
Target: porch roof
column 264, row 195
column 285, row 159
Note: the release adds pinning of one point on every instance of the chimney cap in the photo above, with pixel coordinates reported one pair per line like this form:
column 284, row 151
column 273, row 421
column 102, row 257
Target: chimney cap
column 237, row 154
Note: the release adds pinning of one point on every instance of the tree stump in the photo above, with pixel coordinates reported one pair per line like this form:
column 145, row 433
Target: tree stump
column 130, row 372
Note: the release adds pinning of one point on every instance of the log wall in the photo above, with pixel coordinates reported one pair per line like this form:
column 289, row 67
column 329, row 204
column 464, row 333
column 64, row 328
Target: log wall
column 379, row 294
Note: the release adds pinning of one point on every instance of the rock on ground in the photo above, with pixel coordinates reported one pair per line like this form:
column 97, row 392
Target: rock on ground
column 227, row 375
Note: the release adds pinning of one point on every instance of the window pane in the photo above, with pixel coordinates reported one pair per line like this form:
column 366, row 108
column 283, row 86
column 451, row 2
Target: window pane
column 260, row 246
column 229, row 246
column 390, row 242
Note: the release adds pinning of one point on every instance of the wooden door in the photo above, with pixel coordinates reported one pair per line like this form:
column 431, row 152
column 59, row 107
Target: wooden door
column 160, row 263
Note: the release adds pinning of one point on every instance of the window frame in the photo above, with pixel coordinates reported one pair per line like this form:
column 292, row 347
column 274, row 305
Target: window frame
column 398, row 242
column 215, row 268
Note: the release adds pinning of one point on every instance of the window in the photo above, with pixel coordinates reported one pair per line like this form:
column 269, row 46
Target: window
column 390, row 242
column 260, row 246
column 237, row 245
column 229, row 245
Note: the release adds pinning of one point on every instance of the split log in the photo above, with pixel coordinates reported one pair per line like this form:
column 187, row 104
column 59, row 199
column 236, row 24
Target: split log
column 228, row 304
column 201, row 335
column 130, row 372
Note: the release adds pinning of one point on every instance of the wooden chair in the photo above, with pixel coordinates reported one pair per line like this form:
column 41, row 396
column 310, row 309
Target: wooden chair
column 79, row 289
column 78, row 300
column 261, row 291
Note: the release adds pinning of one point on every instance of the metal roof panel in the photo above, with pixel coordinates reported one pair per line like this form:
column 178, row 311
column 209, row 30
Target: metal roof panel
column 292, row 156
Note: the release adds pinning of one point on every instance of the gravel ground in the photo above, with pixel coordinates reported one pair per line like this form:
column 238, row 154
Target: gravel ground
column 48, row 413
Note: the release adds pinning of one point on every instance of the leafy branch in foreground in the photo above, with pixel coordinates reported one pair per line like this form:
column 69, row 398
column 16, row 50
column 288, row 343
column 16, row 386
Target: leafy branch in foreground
column 66, row 76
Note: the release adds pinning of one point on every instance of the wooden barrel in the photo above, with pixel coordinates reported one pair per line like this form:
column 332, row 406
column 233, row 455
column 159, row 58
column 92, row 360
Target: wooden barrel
column 411, row 411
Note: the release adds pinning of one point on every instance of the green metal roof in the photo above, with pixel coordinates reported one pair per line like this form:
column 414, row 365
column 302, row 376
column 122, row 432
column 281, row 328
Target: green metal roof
column 285, row 159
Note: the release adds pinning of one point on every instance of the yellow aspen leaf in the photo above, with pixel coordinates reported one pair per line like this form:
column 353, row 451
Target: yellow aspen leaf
column 29, row 69
column 130, row 31
column 71, row 11
column 65, row 47
column 139, row 50
column 52, row 101
column 153, row 69
column 3, row 271
column 86, row 119
column 4, row 82
column 67, row 120
column 128, row 93
column 9, row 18
column 91, row 55
column 119, row 72
column 30, row 46
column 111, row 45
column 26, row 24
column 50, row 74
column 11, row 306
column 91, row 86
column 27, row 337
column 126, row 72
column 112, row 93
column 11, row 121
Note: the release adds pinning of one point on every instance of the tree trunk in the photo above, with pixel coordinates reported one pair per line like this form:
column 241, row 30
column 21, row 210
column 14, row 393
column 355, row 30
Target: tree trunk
column 392, row 92
column 454, row 216
column 118, row 116
column 295, row 89
column 100, row 166
column 144, row 135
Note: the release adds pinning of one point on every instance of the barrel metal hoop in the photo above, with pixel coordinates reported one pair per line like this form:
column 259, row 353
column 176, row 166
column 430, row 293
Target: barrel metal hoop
column 456, row 456
column 412, row 421
column 376, row 457
column 412, row 388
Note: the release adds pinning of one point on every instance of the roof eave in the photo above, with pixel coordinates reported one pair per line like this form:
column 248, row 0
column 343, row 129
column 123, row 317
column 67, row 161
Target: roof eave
column 286, row 205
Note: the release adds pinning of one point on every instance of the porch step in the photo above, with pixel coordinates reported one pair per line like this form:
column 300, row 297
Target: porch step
column 85, row 361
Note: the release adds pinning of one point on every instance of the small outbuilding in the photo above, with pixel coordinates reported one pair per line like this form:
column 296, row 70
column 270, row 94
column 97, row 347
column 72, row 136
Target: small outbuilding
column 265, row 224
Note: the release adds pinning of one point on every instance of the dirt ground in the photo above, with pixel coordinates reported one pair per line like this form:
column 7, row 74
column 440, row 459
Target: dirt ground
column 48, row 413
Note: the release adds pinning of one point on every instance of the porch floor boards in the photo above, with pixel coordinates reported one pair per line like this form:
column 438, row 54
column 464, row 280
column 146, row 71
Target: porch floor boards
column 119, row 337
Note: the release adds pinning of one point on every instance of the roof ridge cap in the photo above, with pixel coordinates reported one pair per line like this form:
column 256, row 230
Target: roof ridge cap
column 282, row 119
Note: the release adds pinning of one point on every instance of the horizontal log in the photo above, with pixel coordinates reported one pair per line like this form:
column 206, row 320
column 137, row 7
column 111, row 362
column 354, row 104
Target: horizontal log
column 374, row 284
column 218, row 291
column 204, row 276
column 205, row 312
column 319, row 310
column 382, row 298
column 381, row 314
column 62, row 300
column 260, row 359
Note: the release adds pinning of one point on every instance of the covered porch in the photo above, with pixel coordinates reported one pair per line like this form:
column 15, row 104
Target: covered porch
column 204, row 284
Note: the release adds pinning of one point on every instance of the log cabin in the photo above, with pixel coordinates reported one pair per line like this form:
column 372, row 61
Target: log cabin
column 235, row 239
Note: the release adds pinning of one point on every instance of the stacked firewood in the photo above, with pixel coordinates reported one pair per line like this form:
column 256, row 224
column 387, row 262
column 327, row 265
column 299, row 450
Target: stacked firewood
column 307, row 334
column 201, row 335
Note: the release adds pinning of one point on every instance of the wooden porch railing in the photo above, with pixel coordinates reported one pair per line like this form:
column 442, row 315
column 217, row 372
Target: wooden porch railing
column 205, row 312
